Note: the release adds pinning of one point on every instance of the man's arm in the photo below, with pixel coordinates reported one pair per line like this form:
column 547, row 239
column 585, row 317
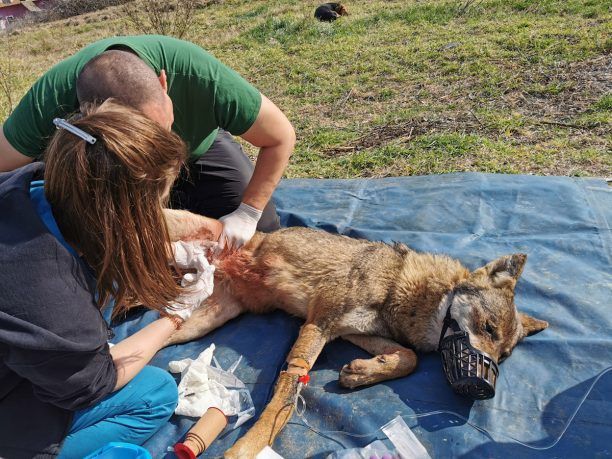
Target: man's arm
column 274, row 134
column 9, row 157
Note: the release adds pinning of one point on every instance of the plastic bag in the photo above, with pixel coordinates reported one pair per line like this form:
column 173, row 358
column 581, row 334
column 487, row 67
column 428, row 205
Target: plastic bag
column 375, row 450
column 203, row 386
column 404, row 439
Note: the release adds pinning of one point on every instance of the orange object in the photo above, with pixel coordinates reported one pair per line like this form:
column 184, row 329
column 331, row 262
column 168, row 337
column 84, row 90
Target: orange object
column 202, row 434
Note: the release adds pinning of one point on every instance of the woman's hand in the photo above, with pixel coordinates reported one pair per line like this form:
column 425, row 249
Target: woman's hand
column 133, row 353
column 197, row 282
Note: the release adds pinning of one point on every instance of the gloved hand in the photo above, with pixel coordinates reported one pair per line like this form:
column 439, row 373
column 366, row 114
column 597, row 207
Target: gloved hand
column 239, row 226
column 199, row 285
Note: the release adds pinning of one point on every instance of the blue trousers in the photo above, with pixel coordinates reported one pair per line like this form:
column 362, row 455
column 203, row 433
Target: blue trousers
column 132, row 414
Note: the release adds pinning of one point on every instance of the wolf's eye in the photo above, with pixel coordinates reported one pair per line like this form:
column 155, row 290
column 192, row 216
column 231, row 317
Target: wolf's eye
column 490, row 330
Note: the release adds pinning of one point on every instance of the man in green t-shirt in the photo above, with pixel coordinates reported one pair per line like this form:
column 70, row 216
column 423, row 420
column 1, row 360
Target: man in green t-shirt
column 183, row 88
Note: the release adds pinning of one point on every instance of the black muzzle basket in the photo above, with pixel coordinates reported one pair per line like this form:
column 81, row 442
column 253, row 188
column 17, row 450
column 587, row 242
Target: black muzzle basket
column 470, row 372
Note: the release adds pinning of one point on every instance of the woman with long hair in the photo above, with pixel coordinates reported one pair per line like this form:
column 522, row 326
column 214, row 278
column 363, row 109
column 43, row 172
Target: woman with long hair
column 91, row 233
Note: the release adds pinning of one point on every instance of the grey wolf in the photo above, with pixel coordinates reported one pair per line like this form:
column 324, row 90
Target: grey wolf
column 386, row 299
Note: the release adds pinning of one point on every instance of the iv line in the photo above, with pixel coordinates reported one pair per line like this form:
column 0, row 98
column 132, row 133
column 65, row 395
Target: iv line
column 300, row 408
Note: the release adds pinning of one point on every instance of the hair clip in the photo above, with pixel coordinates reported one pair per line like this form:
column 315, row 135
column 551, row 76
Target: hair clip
column 63, row 124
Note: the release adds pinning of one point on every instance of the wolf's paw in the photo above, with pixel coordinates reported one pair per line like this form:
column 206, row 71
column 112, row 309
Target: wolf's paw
column 359, row 372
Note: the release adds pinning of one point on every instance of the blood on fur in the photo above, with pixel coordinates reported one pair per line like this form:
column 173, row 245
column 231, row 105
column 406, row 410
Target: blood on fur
column 240, row 266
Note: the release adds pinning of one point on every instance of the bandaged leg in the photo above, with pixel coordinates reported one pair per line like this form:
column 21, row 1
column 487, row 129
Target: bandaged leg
column 306, row 350
column 276, row 415
column 392, row 361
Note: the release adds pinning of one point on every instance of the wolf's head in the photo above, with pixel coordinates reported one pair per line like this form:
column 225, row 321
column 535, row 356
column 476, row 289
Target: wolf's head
column 483, row 305
column 340, row 9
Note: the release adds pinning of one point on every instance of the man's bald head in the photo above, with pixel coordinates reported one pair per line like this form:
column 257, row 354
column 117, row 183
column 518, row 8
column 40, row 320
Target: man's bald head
column 120, row 75
column 125, row 77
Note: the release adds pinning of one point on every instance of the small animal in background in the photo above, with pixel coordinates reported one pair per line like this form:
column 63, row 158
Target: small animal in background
column 329, row 12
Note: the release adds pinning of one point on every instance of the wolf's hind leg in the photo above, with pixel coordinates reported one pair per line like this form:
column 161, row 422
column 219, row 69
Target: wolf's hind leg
column 216, row 311
column 391, row 361
column 301, row 358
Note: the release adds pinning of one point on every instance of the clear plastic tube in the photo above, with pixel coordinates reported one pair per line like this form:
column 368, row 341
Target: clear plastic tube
column 300, row 408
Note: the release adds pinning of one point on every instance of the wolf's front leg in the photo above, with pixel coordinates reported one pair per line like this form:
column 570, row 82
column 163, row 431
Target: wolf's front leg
column 302, row 357
column 215, row 311
column 391, row 361
column 187, row 226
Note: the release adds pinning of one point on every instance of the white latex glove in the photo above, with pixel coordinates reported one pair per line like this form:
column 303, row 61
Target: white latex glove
column 199, row 285
column 239, row 226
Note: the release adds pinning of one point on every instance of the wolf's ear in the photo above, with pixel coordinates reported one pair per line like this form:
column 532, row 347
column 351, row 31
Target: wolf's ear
column 531, row 325
column 505, row 271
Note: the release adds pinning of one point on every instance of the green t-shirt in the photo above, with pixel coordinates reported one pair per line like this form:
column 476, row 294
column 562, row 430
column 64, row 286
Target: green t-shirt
column 206, row 94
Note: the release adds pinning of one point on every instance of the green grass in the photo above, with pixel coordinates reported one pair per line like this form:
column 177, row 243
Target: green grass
column 405, row 87
column 604, row 104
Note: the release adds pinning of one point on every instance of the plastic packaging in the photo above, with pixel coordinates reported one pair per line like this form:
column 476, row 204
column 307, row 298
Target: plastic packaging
column 240, row 403
column 268, row 453
column 204, row 386
column 374, row 450
column 406, row 443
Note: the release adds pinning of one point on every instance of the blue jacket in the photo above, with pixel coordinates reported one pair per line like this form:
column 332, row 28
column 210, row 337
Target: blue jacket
column 54, row 356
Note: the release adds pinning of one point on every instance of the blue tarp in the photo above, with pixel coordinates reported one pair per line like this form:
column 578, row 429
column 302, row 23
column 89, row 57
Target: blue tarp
column 563, row 224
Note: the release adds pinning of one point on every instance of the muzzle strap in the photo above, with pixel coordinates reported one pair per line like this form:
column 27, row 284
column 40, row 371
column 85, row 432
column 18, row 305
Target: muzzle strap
column 448, row 321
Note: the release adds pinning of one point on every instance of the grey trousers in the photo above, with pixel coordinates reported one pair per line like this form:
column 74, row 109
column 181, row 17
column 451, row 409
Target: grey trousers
column 213, row 185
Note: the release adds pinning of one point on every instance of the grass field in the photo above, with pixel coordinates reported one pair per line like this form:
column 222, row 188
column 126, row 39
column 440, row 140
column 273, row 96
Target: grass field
column 402, row 87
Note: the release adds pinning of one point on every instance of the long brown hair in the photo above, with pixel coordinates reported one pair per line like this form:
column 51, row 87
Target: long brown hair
column 107, row 199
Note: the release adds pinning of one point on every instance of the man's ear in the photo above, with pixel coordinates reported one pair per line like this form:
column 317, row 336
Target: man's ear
column 163, row 80
column 505, row 271
column 531, row 325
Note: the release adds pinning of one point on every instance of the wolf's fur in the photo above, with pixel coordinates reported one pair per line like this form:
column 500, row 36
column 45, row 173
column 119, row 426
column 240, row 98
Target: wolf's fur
column 379, row 297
